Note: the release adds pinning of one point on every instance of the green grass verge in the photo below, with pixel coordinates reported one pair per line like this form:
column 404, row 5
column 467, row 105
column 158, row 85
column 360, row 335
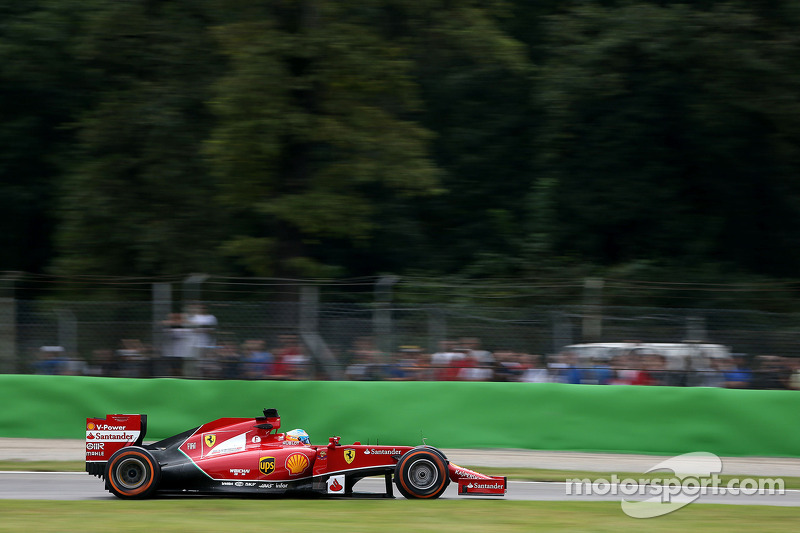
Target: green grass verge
column 440, row 516
column 517, row 474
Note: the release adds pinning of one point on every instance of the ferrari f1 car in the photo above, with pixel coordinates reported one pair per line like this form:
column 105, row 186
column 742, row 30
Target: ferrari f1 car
column 247, row 456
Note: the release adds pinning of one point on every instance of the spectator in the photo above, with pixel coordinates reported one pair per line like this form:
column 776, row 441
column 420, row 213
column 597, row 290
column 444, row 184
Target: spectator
column 50, row 361
column 472, row 368
column 573, row 373
column 557, row 368
column 623, row 373
column 457, row 362
column 229, row 360
column 362, row 368
column 257, row 360
column 423, row 370
column 601, row 371
column 101, row 363
column 483, row 358
column 294, row 363
column 739, row 375
column 536, row 371
column 203, row 326
column 641, row 371
column 714, row 376
column 440, row 360
column 794, row 377
column 509, row 366
column 177, row 344
column 770, row 373
column 132, row 357
column 363, row 365
column 404, row 366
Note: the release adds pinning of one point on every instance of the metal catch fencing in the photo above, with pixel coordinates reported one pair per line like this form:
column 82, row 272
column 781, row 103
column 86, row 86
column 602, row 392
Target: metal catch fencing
column 87, row 331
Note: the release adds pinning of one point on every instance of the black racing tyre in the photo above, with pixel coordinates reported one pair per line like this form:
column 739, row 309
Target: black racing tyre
column 422, row 473
column 132, row 473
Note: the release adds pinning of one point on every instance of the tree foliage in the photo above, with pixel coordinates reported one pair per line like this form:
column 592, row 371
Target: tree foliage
column 332, row 138
column 315, row 130
column 670, row 133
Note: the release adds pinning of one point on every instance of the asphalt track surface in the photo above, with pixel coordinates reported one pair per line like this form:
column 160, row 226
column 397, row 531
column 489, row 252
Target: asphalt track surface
column 82, row 486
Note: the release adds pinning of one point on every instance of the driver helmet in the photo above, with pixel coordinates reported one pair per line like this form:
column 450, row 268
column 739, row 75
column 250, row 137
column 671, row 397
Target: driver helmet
column 298, row 435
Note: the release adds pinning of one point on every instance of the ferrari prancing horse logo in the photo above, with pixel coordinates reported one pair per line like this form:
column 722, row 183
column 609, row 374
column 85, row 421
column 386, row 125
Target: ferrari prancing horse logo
column 349, row 455
column 210, row 440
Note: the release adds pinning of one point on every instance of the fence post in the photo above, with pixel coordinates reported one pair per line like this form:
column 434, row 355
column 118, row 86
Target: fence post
column 309, row 333
column 8, row 324
column 562, row 330
column 382, row 316
column 437, row 328
column 162, row 307
column 192, row 289
column 695, row 329
column 309, row 309
column 67, row 332
column 593, row 311
column 8, row 335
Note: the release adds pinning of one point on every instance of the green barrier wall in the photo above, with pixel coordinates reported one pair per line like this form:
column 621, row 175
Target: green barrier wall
column 654, row 420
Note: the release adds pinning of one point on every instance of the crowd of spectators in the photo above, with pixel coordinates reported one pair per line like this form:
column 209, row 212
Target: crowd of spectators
column 191, row 349
column 465, row 360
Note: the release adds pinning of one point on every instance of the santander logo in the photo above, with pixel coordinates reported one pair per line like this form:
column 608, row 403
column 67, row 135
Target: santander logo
column 336, row 484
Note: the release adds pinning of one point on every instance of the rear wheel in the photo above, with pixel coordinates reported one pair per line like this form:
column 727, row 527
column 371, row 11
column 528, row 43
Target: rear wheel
column 421, row 473
column 132, row 473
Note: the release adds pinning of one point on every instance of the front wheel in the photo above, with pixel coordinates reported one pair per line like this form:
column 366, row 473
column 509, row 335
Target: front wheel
column 132, row 472
column 421, row 473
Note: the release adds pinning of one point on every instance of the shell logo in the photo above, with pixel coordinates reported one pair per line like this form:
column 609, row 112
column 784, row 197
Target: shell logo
column 296, row 463
column 90, row 426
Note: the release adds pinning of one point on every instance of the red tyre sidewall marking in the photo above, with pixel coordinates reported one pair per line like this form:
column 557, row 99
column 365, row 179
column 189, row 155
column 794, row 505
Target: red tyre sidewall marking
column 139, row 490
column 436, row 461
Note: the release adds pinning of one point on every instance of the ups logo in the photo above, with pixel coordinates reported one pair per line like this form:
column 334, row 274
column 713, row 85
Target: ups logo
column 266, row 465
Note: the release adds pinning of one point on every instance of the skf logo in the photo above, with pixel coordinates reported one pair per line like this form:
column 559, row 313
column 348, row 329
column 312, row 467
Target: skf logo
column 349, row 455
column 210, row 440
column 266, row 465
column 296, row 463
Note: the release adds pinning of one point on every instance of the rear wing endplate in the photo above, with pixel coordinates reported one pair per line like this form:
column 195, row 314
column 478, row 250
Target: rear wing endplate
column 104, row 436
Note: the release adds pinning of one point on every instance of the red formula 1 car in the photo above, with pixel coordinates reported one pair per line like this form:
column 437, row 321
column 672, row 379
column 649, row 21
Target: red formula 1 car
column 246, row 456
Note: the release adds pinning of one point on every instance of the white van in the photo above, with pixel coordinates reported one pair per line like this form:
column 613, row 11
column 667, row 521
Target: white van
column 675, row 354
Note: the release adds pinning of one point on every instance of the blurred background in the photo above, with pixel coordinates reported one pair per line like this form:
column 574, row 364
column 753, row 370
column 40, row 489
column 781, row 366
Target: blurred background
column 184, row 184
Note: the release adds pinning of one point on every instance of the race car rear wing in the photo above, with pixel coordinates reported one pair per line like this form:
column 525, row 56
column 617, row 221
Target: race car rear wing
column 104, row 436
